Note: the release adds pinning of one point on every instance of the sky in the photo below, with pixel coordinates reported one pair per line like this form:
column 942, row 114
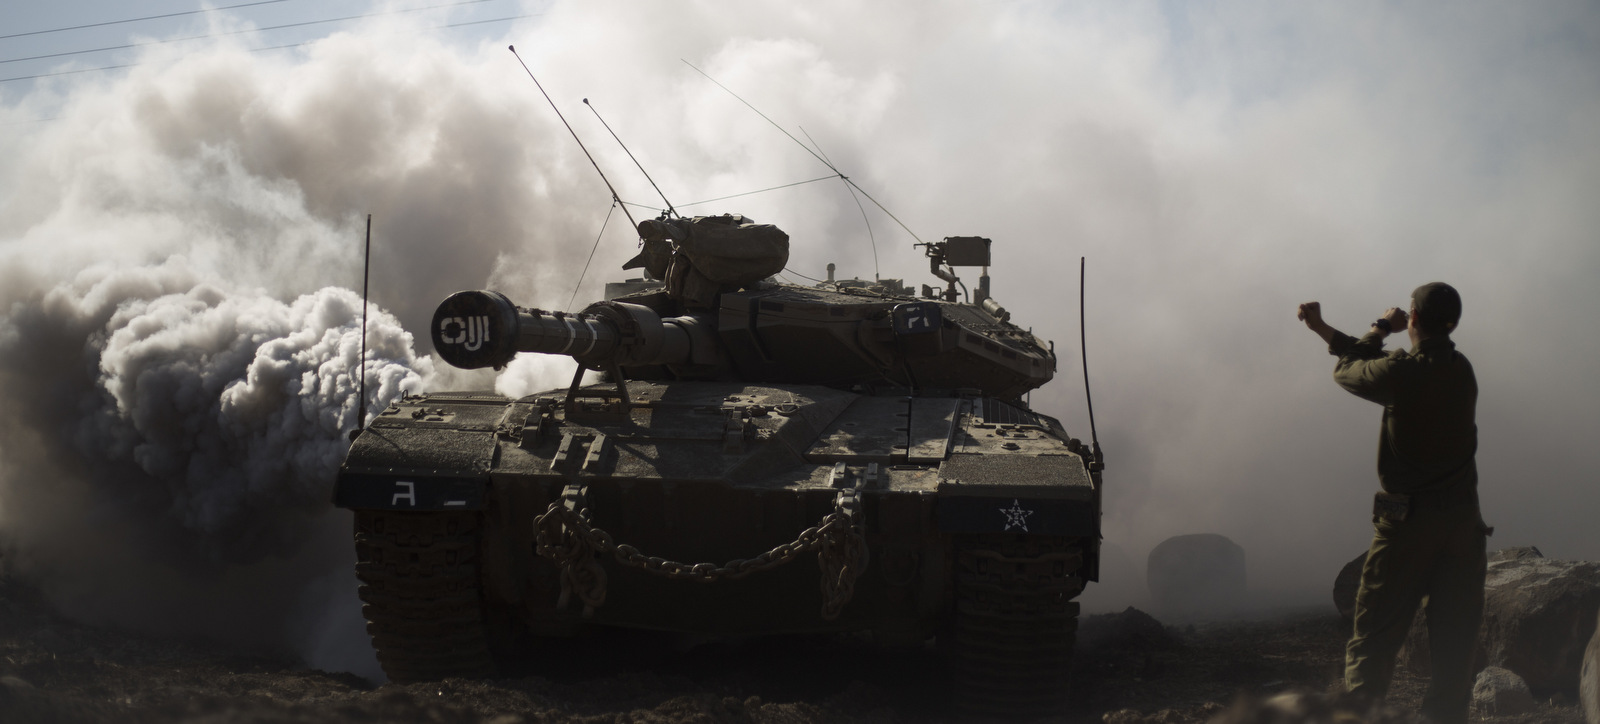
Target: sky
column 180, row 247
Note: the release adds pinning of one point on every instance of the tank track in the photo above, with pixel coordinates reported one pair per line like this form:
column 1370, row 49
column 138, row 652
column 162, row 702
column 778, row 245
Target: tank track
column 421, row 593
column 1015, row 622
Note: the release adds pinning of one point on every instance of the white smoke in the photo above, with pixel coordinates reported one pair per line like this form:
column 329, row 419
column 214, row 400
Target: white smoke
column 528, row 374
column 240, row 401
column 174, row 434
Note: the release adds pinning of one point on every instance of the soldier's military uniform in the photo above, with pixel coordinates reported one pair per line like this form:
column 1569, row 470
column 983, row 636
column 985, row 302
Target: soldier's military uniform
column 1429, row 539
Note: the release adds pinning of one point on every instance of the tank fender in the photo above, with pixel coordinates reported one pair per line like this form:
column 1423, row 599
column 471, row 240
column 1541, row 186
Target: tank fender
column 1017, row 494
column 1016, row 515
column 410, row 492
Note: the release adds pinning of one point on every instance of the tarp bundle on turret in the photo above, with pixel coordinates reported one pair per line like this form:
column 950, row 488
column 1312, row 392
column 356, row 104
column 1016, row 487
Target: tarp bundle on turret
column 712, row 254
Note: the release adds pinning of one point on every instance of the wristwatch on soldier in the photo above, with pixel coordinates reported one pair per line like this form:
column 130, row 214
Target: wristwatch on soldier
column 1383, row 325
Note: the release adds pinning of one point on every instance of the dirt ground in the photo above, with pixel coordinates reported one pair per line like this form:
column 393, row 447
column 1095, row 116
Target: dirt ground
column 1129, row 669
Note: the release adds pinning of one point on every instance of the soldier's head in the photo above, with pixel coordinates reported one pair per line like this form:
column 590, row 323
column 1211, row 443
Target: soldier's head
column 1435, row 309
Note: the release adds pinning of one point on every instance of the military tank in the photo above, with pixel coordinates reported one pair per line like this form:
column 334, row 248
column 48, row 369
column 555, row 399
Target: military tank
column 758, row 458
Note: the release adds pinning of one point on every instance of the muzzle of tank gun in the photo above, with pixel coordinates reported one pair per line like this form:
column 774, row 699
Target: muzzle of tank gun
column 479, row 329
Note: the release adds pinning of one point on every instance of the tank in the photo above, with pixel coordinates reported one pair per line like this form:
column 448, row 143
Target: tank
column 759, row 458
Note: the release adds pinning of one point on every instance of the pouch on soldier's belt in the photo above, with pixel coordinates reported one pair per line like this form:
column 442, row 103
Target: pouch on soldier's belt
column 1391, row 506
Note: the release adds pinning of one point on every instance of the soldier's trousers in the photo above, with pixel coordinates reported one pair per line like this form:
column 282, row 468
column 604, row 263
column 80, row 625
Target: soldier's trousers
column 1437, row 554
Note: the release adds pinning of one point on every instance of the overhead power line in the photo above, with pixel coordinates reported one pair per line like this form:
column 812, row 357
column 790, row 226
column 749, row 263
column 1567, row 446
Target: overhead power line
column 238, row 32
column 147, row 17
column 252, row 50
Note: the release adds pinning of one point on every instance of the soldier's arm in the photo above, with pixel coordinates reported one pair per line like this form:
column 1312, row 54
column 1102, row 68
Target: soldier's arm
column 1311, row 314
column 1364, row 369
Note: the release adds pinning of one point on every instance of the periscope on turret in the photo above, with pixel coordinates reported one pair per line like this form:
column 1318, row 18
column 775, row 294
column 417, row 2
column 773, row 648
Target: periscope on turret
column 759, row 458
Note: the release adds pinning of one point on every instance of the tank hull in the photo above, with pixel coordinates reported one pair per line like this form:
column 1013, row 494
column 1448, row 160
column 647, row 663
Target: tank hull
column 714, row 472
column 863, row 512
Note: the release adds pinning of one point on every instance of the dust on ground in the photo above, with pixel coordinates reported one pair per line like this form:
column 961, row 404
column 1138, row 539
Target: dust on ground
column 1128, row 666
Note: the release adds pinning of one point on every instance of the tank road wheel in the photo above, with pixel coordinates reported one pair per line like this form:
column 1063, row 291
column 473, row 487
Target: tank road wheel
column 420, row 586
column 1014, row 623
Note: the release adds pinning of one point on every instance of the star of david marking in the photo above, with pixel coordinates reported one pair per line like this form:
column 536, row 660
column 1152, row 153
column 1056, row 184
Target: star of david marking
column 1016, row 516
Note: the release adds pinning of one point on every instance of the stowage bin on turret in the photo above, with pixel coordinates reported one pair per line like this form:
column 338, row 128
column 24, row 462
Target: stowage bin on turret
column 761, row 458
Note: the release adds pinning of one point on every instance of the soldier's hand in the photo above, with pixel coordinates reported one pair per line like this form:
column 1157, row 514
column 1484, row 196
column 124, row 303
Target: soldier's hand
column 1396, row 317
column 1311, row 314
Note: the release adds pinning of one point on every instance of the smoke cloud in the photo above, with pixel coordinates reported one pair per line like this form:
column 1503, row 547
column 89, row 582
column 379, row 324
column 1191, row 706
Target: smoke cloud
column 179, row 245
column 163, row 432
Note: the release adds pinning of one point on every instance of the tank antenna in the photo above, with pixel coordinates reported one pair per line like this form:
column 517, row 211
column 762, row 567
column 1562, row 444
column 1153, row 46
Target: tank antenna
column 670, row 211
column 366, row 269
column 609, row 187
column 870, row 236
column 818, row 156
column 1083, row 341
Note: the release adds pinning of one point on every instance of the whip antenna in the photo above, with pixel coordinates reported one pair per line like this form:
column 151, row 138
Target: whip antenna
column 609, row 187
column 1083, row 345
column 671, row 211
column 366, row 268
column 870, row 236
column 818, row 156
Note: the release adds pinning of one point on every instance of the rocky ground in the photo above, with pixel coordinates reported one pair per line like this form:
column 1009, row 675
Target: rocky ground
column 1130, row 669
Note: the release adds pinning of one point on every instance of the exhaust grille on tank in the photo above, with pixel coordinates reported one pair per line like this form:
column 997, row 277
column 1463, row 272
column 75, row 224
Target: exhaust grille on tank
column 1005, row 413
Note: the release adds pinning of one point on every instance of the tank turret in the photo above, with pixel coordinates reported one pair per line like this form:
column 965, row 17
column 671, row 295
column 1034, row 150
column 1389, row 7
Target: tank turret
column 718, row 317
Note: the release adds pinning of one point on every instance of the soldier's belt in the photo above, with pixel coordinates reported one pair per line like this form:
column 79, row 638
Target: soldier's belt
column 1396, row 507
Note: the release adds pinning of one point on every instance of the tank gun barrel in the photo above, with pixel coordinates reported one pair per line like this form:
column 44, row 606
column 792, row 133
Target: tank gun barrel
column 477, row 329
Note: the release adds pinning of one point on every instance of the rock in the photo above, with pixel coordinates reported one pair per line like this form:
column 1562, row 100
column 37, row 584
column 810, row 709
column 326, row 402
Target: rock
column 1513, row 554
column 1589, row 679
column 1500, row 692
column 1199, row 713
column 1305, row 707
column 1196, row 576
column 1346, row 585
column 1538, row 615
column 1130, row 642
column 50, row 641
column 1414, row 652
column 1131, row 630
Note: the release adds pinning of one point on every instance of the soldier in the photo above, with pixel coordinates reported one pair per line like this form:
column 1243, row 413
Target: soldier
column 1428, row 544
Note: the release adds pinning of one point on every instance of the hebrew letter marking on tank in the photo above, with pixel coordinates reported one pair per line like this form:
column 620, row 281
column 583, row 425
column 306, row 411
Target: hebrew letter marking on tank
column 472, row 331
column 444, row 330
column 477, row 332
column 917, row 318
column 410, row 495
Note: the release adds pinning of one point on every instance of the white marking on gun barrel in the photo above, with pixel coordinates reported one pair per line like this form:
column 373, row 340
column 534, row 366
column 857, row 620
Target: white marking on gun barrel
column 572, row 335
column 594, row 336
